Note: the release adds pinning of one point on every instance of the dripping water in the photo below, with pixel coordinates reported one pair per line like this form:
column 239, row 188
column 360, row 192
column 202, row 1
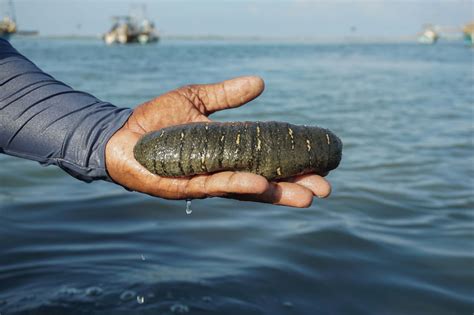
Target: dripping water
column 188, row 206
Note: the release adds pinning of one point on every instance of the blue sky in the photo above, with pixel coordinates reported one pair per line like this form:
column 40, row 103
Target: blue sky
column 279, row 18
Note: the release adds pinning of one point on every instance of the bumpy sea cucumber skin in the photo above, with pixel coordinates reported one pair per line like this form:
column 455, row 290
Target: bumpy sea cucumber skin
column 274, row 150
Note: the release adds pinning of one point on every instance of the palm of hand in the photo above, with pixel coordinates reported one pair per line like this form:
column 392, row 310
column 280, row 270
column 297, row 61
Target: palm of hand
column 194, row 104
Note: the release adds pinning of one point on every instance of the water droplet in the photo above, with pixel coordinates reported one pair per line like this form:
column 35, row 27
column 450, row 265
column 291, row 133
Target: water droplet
column 143, row 257
column 188, row 206
column 140, row 299
column 288, row 304
column 179, row 308
column 94, row 291
column 127, row 295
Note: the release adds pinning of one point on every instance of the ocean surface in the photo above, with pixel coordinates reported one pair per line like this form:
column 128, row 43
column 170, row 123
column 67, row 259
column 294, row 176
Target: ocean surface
column 395, row 237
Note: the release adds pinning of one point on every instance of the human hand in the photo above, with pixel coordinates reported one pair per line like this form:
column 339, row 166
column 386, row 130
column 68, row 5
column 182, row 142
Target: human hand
column 195, row 103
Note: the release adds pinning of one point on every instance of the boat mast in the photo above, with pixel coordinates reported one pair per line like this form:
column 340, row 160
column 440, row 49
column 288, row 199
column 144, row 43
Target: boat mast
column 11, row 9
column 8, row 9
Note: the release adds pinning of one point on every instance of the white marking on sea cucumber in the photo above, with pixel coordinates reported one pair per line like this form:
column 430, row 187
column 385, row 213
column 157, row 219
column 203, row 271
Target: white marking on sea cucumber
column 259, row 143
column 327, row 137
column 308, row 145
column 203, row 159
column 290, row 132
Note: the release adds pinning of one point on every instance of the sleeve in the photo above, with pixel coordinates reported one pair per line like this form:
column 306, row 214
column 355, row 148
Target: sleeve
column 45, row 120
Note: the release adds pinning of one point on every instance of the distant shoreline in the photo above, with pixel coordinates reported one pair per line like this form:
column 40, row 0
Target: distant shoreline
column 346, row 39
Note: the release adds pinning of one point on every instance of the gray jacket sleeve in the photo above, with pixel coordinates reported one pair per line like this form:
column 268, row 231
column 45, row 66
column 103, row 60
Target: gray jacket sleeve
column 45, row 120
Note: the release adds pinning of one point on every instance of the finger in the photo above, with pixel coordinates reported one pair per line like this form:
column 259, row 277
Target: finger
column 283, row 193
column 229, row 94
column 223, row 183
column 317, row 184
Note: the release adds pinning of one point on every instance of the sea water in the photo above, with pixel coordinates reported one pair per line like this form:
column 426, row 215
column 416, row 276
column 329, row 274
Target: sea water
column 395, row 237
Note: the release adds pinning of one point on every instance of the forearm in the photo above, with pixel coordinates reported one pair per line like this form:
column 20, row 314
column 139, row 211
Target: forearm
column 45, row 120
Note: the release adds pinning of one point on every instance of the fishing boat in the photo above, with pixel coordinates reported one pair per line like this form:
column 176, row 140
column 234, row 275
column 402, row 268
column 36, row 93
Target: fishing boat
column 7, row 22
column 429, row 36
column 130, row 29
column 468, row 32
column 7, row 27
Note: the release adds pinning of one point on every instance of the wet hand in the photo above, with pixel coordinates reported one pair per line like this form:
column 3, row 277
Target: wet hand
column 195, row 103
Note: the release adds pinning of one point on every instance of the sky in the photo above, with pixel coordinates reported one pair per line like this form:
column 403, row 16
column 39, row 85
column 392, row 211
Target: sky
column 261, row 18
